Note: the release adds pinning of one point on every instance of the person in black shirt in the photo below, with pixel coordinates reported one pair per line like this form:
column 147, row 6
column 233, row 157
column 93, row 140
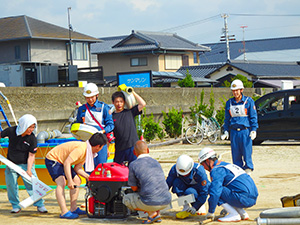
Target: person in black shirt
column 125, row 130
column 21, row 151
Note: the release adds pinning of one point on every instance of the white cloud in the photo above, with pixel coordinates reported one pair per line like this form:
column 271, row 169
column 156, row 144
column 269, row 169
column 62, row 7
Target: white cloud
column 143, row 5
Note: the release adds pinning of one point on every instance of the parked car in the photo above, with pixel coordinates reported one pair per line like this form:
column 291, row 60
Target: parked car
column 278, row 116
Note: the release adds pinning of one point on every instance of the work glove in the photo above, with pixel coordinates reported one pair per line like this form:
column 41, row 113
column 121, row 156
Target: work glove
column 252, row 135
column 210, row 216
column 122, row 87
column 225, row 135
column 191, row 210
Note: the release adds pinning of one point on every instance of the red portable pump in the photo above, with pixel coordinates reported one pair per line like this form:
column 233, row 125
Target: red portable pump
column 104, row 197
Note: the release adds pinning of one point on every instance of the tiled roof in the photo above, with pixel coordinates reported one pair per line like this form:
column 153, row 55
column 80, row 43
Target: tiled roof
column 275, row 49
column 200, row 71
column 258, row 69
column 149, row 41
column 23, row 27
column 269, row 69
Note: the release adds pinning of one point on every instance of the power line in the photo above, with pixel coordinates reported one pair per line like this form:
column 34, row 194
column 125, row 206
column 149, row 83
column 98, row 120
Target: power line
column 192, row 23
column 277, row 15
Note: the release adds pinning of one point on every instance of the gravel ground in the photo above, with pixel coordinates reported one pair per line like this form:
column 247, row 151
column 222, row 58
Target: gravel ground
column 276, row 174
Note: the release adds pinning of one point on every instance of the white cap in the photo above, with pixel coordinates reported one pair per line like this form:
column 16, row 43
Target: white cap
column 237, row 84
column 184, row 165
column 90, row 90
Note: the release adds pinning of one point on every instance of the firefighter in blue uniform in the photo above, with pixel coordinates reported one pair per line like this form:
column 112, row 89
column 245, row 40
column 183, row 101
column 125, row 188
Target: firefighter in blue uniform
column 187, row 177
column 94, row 113
column 231, row 187
column 241, row 122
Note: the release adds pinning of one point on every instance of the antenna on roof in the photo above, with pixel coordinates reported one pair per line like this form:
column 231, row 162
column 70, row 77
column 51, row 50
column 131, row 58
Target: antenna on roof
column 244, row 49
column 70, row 35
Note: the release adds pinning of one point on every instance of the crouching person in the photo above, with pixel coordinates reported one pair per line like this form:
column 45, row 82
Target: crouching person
column 59, row 162
column 146, row 178
column 230, row 187
column 187, row 177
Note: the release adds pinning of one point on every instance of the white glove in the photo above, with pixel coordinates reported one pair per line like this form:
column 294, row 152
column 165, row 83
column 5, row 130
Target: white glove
column 101, row 131
column 210, row 216
column 225, row 135
column 191, row 210
column 252, row 135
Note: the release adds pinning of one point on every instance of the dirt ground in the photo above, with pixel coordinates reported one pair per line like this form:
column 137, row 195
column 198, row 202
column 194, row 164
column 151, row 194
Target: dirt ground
column 276, row 174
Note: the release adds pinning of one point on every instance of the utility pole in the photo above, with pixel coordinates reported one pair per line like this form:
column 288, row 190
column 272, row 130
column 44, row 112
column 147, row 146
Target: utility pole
column 244, row 50
column 70, row 36
column 227, row 37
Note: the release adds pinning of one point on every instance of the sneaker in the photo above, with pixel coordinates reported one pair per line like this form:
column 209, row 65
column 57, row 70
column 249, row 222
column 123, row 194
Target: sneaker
column 79, row 212
column 15, row 210
column 42, row 209
column 69, row 215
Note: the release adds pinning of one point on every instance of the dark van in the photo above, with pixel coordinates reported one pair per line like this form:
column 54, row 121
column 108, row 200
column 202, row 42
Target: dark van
column 278, row 116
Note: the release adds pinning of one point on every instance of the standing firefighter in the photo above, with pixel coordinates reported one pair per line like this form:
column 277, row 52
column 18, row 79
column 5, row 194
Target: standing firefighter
column 241, row 121
column 96, row 113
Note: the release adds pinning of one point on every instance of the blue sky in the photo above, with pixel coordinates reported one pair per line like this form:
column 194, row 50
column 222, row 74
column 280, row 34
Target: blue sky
column 196, row 20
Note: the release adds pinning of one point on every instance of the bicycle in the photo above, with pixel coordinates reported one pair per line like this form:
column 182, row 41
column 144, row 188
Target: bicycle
column 209, row 128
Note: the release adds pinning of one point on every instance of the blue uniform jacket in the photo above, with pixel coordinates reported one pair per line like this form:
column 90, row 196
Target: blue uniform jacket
column 240, row 122
column 106, row 120
column 220, row 177
column 198, row 174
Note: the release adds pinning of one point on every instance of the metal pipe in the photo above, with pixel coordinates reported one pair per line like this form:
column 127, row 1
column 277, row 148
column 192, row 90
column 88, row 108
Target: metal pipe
column 46, row 135
column 288, row 212
column 281, row 221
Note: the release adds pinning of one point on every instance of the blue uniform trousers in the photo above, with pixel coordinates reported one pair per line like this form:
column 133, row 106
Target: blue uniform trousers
column 241, row 148
column 180, row 189
column 236, row 199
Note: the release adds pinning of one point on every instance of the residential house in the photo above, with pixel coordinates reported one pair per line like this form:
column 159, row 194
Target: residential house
column 144, row 51
column 265, row 62
column 27, row 43
column 261, row 73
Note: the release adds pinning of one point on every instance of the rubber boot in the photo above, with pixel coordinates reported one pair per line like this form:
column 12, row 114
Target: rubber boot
column 202, row 210
column 244, row 215
column 233, row 215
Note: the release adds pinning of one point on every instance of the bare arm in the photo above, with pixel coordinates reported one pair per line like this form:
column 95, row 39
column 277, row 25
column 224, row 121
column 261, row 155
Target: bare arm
column 30, row 161
column 78, row 169
column 67, row 168
column 141, row 102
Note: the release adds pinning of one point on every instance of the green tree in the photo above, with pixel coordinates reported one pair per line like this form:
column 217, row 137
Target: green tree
column 246, row 82
column 173, row 122
column 187, row 81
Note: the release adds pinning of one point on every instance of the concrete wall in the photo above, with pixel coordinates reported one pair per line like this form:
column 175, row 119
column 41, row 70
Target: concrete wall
column 52, row 106
column 114, row 63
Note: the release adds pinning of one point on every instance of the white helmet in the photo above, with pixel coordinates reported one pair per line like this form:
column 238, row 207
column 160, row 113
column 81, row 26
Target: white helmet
column 237, row 84
column 184, row 165
column 205, row 154
column 90, row 90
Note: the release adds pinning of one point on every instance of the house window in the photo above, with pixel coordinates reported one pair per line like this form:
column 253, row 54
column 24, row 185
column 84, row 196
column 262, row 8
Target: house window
column 195, row 57
column 17, row 52
column 173, row 62
column 141, row 61
column 79, row 51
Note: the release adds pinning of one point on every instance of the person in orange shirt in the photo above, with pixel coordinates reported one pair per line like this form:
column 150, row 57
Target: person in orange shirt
column 59, row 162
